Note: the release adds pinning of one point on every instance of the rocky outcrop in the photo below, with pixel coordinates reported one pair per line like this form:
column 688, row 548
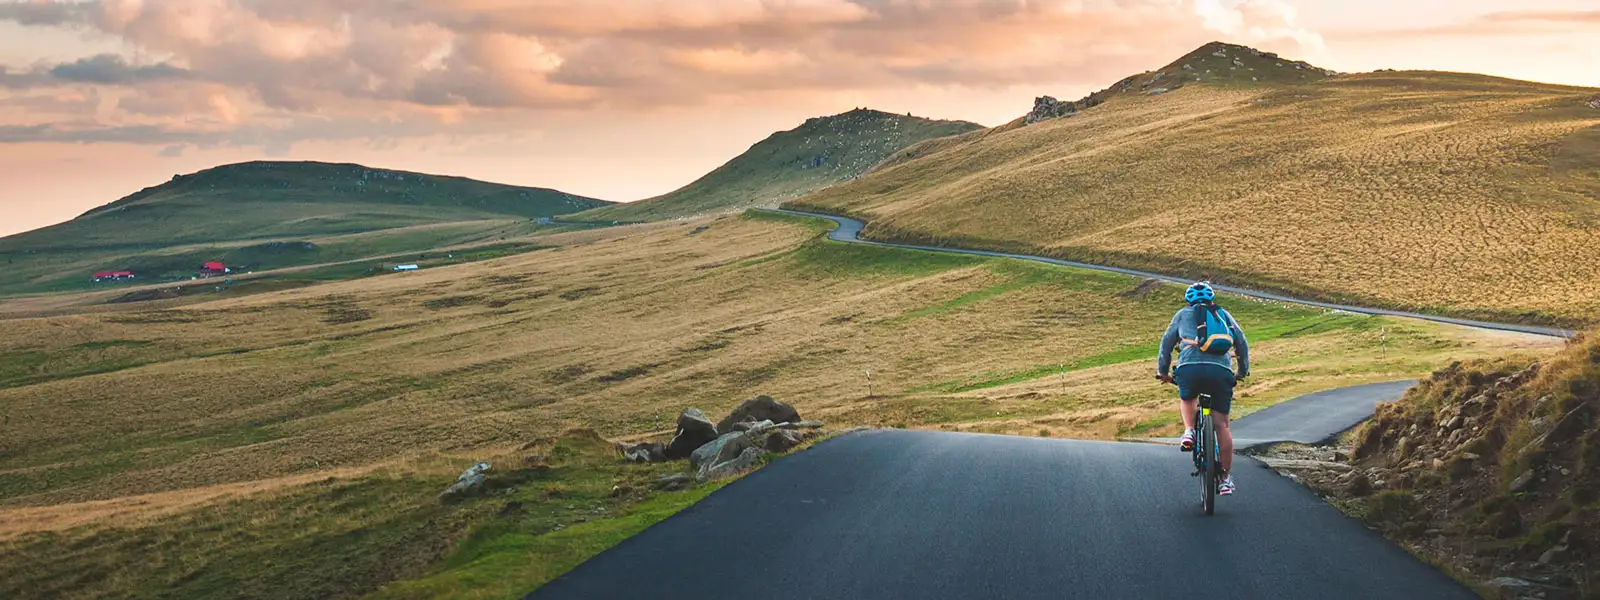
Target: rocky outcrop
column 1047, row 107
column 694, row 430
column 468, row 484
column 759, row 408
column 1594, row 103
column 1489, row 467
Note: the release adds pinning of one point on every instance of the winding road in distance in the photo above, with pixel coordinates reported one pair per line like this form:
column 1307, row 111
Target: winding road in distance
column 849, row 231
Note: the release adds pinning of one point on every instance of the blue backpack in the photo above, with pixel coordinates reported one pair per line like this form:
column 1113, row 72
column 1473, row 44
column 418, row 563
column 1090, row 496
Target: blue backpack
column 1213, row 336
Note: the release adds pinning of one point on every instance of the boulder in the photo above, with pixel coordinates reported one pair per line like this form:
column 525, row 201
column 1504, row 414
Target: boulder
column 645, row 453
column 724, row 448
column 759, row 408
column 801, row 425
column 694, row 430
column 746, row 459
column 469, row 483
column 781, row 440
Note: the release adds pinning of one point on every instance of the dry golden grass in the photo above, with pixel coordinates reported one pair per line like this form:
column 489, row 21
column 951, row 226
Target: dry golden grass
column 1442, row 192
column 308, row 430
column 616, row 330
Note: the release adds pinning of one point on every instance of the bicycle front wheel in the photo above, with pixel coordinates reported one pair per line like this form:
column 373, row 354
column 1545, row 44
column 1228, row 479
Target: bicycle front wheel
column 1208, row 475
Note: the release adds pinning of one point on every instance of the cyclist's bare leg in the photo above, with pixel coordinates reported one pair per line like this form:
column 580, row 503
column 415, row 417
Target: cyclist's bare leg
column 1186, row 410
column 1224, row 439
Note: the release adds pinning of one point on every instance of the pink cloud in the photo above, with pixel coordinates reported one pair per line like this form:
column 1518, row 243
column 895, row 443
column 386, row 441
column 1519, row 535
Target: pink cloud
column 338, row 58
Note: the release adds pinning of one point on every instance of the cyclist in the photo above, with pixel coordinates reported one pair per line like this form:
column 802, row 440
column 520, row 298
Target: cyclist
column 1201, row 372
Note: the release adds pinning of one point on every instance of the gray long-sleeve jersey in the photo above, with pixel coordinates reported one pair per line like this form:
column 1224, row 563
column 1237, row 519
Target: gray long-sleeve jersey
column 1184, row 330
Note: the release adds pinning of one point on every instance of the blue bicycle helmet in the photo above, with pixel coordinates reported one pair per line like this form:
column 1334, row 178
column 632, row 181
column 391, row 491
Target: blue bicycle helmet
column 1199, row 292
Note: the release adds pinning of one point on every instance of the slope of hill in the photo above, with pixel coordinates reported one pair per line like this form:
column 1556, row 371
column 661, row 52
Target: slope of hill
column 294, row 443
column 821, row 152
column 218, row 211
column 1440, row 192
column 1493, row 467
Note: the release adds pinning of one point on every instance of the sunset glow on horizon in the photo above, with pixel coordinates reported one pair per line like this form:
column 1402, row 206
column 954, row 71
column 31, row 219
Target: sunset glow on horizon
column 627, row 99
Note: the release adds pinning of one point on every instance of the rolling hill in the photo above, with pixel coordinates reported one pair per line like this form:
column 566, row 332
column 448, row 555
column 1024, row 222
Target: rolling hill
column 1443, row 192
column 821, row 152
column 270, row 213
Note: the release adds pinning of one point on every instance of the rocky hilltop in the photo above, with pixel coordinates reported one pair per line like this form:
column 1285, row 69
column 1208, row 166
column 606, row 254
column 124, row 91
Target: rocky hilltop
column 1215, row 63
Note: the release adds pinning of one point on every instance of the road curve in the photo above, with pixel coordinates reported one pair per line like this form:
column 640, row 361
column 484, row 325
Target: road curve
column 1318, row 417
column 849, row 231
column 1314, row 418
column 917, row 515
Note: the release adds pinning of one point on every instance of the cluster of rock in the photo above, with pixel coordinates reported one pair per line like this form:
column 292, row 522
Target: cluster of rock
column 717, row 450
column 1594, row 103
column 1047, row 107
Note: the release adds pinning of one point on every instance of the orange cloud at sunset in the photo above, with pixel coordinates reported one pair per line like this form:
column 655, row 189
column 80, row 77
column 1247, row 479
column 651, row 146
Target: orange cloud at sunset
column 563, row 94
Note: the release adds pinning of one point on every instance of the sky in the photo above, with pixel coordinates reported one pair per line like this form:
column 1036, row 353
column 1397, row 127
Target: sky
column 627, row 99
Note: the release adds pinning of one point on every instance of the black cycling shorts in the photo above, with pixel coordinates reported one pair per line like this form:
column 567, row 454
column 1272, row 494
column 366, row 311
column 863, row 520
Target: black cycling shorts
column 1215, row 380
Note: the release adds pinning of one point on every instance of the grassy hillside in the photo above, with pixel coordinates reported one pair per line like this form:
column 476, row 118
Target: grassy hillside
column 293, row 442
column 822, row 152
column 1492, row 468
column 261, row 215
column 1440, row 192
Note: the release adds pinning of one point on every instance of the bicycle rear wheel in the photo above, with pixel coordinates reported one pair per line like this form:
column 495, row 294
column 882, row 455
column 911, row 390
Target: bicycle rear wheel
column 1208, row 475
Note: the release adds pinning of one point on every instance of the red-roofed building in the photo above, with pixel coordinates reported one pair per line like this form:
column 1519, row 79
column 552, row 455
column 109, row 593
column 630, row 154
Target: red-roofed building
column 213, row 268
column 113, row 276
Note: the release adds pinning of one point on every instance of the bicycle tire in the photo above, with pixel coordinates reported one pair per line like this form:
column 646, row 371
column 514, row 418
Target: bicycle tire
column 1208, row 476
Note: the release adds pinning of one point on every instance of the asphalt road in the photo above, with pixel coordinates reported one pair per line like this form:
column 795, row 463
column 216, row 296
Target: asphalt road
column 849, row 231
column 1316, row 418
column 917, row 515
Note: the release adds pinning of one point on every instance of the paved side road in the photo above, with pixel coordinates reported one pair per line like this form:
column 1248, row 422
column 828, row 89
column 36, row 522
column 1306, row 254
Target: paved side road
column 849, row 231
column 917, row 515
column 1318, row 417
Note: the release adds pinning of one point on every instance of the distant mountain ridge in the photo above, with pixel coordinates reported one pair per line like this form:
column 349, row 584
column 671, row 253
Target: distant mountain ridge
column 266, row 205
column 276, row 199
column 821, row 152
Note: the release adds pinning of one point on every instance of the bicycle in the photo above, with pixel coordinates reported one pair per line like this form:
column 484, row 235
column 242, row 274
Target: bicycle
column 1207, row 451
column 1207, row 465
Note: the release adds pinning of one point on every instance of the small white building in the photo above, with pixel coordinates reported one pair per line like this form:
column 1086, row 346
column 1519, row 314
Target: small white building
column 405, row 267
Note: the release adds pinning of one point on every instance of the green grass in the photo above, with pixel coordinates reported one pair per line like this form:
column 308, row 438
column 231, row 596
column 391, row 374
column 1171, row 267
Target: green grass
column 507, row 561
column 821, row 152
column 1120, row 355
column 384, row 534
column 329, row 540
column 262, row 215
column 820, row 258
column 816, row 224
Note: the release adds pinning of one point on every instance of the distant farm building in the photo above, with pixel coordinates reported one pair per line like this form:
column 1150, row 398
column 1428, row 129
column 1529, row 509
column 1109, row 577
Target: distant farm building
column 213, row 268
column 405, row 267
column 113, row 276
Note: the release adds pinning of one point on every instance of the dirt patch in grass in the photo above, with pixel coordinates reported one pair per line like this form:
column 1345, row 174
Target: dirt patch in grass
column 452, row 301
